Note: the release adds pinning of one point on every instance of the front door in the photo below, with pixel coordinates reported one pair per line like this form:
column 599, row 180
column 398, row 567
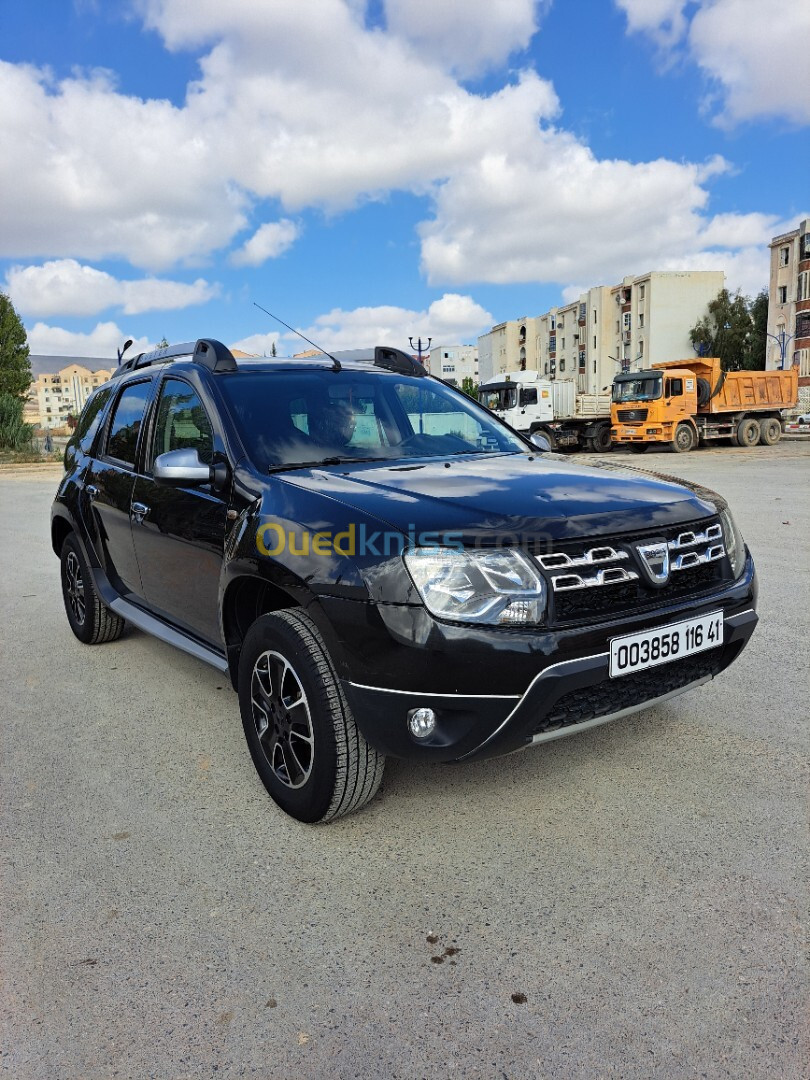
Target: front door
column 179, row 532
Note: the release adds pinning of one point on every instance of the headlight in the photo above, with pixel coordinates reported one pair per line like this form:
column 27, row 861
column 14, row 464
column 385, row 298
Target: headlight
column 495, row 587
column 735, row 548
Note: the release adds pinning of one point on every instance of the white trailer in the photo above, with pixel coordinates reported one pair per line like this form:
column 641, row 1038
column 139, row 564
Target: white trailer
column 554, row 407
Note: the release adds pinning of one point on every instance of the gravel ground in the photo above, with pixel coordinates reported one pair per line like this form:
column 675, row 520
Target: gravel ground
column 626, row 903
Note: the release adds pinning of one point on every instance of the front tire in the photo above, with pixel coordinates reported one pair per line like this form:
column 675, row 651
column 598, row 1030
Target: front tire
column 302, row 737
column 684, row 440
column 91, row 621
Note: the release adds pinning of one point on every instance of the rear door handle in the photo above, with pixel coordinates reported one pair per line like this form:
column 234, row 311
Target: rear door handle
column 139, row 511
column 91, row 490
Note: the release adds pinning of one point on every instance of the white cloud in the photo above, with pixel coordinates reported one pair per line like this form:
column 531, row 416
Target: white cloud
column 258, row 344
column 268, row 242
column 464, row 36
column 754, row 55
column 452, row 319
column 102, row 341
column 66, row 287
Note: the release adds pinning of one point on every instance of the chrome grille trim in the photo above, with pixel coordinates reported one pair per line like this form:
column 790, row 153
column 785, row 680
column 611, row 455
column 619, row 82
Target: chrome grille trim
column 560, row 561
column 611, row 576
column 693, row 558
column 691, row 539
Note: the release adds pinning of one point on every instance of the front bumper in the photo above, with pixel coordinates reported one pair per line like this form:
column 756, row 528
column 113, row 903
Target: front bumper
column 563, row 687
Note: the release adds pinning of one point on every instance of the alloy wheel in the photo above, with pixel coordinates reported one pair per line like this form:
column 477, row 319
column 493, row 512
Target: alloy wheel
column 74, row 587
column 282, row 719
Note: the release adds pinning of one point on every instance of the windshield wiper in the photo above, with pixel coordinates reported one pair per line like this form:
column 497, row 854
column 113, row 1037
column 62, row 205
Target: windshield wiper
column 321, row 461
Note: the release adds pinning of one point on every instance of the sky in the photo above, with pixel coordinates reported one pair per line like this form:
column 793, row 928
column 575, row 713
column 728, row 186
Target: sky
column 375, row 170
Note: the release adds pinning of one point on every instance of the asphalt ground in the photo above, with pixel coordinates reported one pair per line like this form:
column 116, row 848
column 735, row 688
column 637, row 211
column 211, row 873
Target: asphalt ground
column 626, row 903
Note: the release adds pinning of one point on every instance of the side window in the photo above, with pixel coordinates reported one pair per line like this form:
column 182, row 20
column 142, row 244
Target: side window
column 528, row 395
column 674, row 387
column 122, row 439
column 182, row 422
column 90, row 419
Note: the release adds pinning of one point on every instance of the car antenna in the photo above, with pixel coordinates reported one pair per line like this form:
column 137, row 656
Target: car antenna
column 336, row 365
column 121, row 352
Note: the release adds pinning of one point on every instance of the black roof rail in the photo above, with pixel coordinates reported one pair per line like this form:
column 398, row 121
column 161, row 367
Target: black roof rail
column 385, row 357
column 214, row 355
column 156, row 356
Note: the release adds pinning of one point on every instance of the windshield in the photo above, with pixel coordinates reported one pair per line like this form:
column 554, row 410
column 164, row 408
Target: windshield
column 498, row 397
column 289, row 418
column 644, row 388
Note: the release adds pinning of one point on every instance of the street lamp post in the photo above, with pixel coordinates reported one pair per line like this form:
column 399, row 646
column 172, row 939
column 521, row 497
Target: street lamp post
column 782, row 339
column 419, row 348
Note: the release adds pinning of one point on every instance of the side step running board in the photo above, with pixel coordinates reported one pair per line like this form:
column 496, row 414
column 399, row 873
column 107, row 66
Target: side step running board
column 158, row 629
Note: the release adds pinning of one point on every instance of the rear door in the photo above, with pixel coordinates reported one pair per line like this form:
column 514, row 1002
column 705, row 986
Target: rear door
column 109, row 483
column 179, row 532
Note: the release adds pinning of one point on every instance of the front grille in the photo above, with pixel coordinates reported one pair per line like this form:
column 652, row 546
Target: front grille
column 613, row 695
column 627, row 416
column 590, row 581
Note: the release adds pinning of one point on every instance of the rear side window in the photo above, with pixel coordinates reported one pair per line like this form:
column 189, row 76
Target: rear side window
column 122, row 440
column 90, row 420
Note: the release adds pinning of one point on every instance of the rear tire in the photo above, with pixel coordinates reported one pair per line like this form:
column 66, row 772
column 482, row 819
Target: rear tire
column 90, row 620
column 770, row 431
column 747, row 433
column 302, row 737
column 684, row 440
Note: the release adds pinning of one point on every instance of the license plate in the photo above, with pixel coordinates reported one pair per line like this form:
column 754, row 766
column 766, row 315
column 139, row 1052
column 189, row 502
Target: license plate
column 634, row 652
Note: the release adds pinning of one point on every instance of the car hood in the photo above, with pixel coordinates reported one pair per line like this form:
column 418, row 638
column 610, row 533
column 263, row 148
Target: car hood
column 483, row 498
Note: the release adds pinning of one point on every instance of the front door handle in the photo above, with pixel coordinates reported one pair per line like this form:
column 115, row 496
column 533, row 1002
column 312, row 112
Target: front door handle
column 139, row 512
column 91, row 490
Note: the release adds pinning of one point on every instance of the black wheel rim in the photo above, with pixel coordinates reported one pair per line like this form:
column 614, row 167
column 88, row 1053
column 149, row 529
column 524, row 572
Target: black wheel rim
column 74, row 587
column 282, row 719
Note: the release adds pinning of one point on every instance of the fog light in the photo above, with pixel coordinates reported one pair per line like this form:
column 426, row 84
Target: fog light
column 421, row 722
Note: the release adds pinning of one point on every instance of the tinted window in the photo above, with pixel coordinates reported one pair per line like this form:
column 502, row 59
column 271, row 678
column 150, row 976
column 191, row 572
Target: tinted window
column 122, row 439
column 674, row 387
column 293, row 417
column 90, row 419
column 182, row 422
column 528, row 395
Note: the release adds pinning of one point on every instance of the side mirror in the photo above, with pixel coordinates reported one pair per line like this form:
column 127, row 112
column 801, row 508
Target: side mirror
column 540, row 440
column 180, row 467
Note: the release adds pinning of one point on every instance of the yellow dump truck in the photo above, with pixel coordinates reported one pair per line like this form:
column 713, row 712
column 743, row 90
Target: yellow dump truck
column 686, row 402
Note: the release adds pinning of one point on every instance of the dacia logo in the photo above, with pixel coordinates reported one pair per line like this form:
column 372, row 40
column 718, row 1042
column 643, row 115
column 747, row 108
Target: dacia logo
column 654, row 560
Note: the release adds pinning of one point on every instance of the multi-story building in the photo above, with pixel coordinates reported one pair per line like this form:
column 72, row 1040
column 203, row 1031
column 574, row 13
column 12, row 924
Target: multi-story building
column 454, row 363
column 62, row 388
column 607, row 329
column 509, row 346
column 789, row 303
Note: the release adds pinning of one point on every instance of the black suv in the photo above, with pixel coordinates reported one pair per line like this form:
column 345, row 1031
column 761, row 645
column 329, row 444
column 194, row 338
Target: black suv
column 382, row 566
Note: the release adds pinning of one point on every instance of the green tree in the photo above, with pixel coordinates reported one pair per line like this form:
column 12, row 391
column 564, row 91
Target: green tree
column 469, row 387
column 273, row 350
column 15, row 434
column 163, row 343
column 725, row 331
column 754, row 359
column 15, row 367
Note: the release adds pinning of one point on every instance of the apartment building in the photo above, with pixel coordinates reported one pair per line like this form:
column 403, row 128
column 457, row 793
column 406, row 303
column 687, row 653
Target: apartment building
column 453, row 363
column 789, row 302
column 509, row 346
column 62, row 388
column 608, row 329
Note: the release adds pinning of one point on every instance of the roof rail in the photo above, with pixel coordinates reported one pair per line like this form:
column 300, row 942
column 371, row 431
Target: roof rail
column 214, row 355
column 385, row 357
column 156, row 356
column 206, row 351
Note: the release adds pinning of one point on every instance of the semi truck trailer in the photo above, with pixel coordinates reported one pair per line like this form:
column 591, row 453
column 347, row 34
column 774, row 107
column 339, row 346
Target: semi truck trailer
column 687, row 403
column 552, row 407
